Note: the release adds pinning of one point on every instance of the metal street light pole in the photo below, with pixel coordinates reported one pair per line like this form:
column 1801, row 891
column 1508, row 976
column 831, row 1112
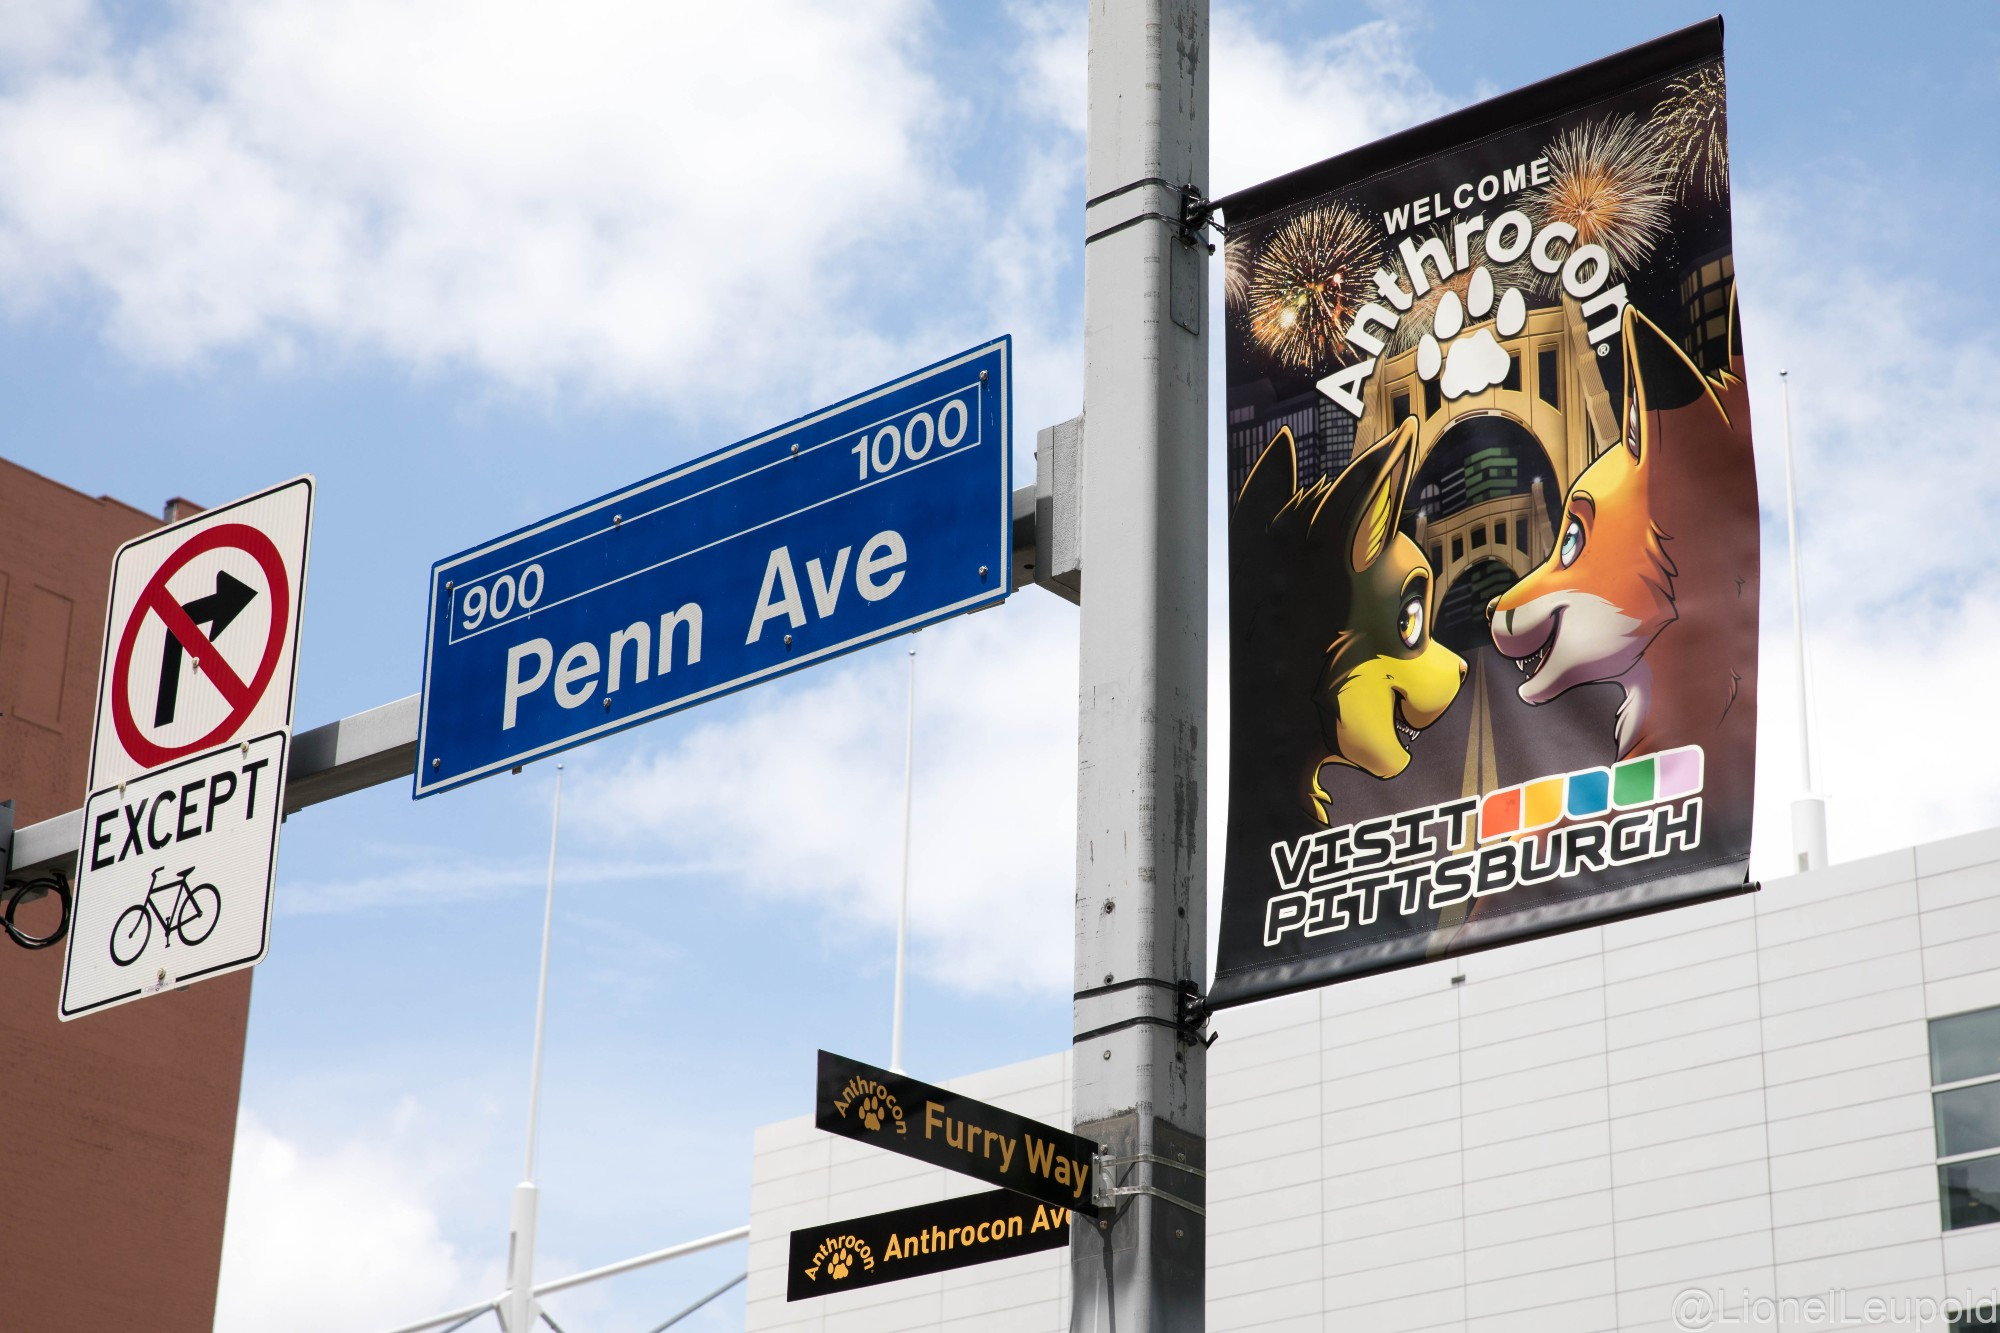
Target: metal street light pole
column 518, row 1309
column 1143, row 701
column 1809, row 810
column 903, row 905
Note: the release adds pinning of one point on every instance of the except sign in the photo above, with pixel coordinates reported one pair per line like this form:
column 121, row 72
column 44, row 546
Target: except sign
column 201, row 633
column 874, row 516
column 904, row 1115
column 174, row 881
column 929, row 1238
column 187, row 760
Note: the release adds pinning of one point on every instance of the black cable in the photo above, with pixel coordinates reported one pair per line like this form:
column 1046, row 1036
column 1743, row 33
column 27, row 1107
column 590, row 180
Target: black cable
column 18, row 890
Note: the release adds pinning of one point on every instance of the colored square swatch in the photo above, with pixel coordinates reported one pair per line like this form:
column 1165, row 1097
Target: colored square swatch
column 1632, row 783
column 1542, row 803
column 1589, row 793
column 1680, row 773
column 1500, row 814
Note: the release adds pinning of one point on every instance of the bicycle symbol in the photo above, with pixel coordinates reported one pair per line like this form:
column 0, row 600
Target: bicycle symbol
column 195, row 910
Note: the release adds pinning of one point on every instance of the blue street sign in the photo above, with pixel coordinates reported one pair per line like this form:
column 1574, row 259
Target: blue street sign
column 881, row 514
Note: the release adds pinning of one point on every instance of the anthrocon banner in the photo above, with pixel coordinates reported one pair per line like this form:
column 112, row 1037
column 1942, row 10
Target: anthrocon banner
column 1493, row 529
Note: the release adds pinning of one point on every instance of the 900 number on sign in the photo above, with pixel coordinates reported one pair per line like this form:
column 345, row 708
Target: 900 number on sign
column 497, row 598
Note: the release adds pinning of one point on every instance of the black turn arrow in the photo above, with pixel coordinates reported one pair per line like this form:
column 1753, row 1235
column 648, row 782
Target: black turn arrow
column 215, row 611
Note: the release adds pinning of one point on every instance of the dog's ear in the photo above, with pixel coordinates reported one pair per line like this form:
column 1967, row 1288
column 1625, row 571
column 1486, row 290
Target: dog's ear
column 1658, row 378
column 1272, row 482
column 1361, row 509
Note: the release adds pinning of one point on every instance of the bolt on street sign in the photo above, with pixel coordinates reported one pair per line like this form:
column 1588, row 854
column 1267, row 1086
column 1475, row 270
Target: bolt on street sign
column 875, row 516
column 187, row 757
column 934, row 1125
column 929, row 1238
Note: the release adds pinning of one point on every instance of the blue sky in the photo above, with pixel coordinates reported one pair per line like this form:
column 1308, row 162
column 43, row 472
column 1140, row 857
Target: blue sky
column 470, row 263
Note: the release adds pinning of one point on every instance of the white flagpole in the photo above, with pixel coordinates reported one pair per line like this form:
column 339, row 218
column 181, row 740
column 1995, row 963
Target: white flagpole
column 1809, row 810
column 903, row 909
column 518, row 1308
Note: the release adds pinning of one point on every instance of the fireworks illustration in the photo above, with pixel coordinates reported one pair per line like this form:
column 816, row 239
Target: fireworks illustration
column 1609, row 180
column 1307, row 281
column 1235, row 273
column 1691, row 129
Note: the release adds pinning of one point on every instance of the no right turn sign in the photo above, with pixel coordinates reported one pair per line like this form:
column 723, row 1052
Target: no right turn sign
column 201, row 633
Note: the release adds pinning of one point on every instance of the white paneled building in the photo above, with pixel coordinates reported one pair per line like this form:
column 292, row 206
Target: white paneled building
column 1777, row 1111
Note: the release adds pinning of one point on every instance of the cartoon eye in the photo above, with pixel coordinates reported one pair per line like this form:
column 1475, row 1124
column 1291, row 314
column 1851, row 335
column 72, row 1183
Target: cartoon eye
column 1572, row 542
column 1410, row 624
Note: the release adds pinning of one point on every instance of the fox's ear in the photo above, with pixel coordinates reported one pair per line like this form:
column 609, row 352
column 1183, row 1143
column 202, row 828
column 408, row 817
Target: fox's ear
column 1735, row 333
column 1362, row 507
column 1272, row 482
column 1658, row 378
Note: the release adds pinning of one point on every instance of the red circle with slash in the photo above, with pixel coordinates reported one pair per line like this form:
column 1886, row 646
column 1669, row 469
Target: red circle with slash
column 242, row 696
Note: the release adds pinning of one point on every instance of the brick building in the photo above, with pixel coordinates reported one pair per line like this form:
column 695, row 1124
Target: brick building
column 120, row 1125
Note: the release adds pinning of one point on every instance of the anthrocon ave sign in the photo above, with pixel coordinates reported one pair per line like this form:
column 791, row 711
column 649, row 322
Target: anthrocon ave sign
column 866, row 519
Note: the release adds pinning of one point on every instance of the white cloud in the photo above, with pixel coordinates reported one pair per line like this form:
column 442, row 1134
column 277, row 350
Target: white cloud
column 800, row 796
column 1893, row 398
column 337, row 1240
column 425, row 876
column 643, row 198
column 1275, row 105
column 1280, row 105
column 47, row 31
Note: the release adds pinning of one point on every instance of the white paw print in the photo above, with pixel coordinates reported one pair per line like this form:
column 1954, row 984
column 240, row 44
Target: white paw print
column 1477, row 361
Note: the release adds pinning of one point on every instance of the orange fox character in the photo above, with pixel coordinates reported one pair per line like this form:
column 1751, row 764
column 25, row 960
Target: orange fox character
column 1331, row 610
column 1653, row 582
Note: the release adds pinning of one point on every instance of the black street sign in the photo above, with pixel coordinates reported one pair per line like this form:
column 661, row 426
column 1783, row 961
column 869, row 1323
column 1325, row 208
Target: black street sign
column 929, row 1238
column 906, row 1116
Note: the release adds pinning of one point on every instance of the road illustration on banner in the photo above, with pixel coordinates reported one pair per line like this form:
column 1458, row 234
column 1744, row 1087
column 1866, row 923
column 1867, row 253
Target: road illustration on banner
column 192, row 915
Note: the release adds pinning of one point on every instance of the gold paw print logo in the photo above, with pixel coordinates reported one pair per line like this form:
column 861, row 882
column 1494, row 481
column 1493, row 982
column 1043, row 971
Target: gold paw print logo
column 874, row 1105
column 839, row 1255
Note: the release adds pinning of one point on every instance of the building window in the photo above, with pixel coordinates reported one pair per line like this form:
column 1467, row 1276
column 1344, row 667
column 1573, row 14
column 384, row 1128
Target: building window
column 1513, row 380
column 1548, row 380
column 1520, row 534
column 1705, row 294
column 1432, row 398
column 1437, row 559
column 1965, row 1105
column 1500, row 533
column 1479, row 537
column 1457, row 549
column 1399, row 407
